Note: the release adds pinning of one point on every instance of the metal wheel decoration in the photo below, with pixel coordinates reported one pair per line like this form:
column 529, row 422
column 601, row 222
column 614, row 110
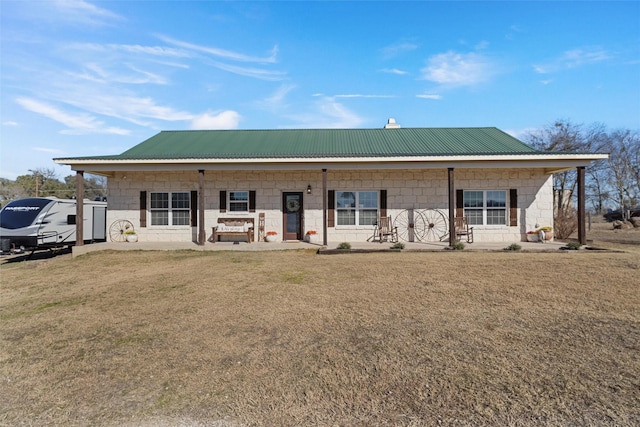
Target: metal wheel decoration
column 411, row 225
column 117, row 230
column 436, row 229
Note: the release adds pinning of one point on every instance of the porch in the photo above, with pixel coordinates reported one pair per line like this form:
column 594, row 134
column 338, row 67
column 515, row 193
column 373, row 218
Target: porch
column 300, row 245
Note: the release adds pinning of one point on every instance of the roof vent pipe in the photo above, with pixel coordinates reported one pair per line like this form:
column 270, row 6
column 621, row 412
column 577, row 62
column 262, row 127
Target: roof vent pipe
column 391, row 124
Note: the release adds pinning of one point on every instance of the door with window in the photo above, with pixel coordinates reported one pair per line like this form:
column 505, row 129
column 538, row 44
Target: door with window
column 292, row 215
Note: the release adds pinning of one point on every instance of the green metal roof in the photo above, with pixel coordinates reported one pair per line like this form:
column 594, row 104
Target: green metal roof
column 323, row 143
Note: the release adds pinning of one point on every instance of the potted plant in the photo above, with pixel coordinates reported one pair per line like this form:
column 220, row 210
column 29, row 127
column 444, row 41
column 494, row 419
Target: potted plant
column 311, row 236
column 548, row 232
column 532, row 236
column 131, row 236
column 271, row 236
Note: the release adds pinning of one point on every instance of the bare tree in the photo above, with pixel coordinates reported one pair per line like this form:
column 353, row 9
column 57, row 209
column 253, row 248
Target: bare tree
column 11, row 190
column 565, row 136
column 597, row 185
column 95, row 186
column 624, row 168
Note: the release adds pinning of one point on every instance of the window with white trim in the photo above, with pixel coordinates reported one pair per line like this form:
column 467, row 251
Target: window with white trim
column 357, row 207
column 171, row 208
column 238, row 201
column 485, row 207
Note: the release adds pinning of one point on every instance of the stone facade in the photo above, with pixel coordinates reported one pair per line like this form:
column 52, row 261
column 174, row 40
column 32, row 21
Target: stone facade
column 418, row 189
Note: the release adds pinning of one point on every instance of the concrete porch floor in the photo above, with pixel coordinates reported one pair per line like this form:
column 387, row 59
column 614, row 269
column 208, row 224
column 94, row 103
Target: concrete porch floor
column 296, row 245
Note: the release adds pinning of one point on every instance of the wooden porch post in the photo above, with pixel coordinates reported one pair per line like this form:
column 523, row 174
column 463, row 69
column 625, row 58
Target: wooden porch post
column 452, row 209
column 324, row 207
column 582, row 233
column 201, row 229
column 79, row 208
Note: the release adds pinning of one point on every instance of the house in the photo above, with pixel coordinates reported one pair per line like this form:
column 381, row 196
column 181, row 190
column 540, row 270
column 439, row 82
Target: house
column 176, row 185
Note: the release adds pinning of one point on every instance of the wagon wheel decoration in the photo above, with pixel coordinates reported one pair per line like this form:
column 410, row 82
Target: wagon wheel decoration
column 411, row 225
column 117, row 230
column 436, row 226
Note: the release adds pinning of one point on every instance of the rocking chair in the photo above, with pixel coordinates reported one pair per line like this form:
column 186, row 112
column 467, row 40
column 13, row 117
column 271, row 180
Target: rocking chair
column 385, row 231
column 463, row 229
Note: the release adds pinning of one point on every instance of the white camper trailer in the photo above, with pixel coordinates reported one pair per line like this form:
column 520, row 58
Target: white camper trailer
column 49, row 223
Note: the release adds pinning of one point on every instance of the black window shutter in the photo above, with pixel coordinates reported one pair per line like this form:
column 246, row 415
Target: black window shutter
column 513, row 207
column 383, row 203
column 223, row 201
column 252, row 201
column 143, row 209
column 459, row 203
column 194, row 208
column 331, row 215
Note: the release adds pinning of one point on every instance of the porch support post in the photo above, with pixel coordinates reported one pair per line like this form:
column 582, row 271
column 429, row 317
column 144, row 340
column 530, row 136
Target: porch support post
column 452, row 209
column 582, row 233
column 201, row 232
column 79, row 208
column 324, row 207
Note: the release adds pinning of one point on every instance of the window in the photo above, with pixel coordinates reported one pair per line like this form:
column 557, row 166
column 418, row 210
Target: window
column 170, row 208
column 21, row 213
column 487, row 207
column 239, row 201
column 356, row 207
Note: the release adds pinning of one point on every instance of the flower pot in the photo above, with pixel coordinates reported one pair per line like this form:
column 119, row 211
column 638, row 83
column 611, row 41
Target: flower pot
column 271, row 237
column 312, row 238
column 532, row 237
column 131, row 238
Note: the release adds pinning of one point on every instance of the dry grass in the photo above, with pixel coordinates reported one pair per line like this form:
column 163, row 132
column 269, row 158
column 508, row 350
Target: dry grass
column 604, row 235
column 294, row 338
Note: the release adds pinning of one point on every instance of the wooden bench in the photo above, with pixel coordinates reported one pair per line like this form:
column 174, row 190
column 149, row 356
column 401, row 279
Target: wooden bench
column 239, row 227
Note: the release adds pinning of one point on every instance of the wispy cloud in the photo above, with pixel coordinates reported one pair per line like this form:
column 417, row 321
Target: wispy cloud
column 429, row 96
column 224, row 120
column 326, row 113
column 96, row 73
column 358, row 95
column 520, row 134
column 574, row 58
column 513, row 31
column 222, row 53
column 228, row 55
column 130, row 108
column 149, row 50
column 394, row 71
column 82, row 12
column 458, row 69
column 77, row 124
column 397, row 49
column 277, row 100
column 256, row 73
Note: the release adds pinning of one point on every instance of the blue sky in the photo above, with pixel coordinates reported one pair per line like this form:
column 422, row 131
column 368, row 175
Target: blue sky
column 97, row 77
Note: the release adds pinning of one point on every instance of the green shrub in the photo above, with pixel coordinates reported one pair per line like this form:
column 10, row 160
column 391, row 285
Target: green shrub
column 513, row 247
column 458, row 246
column 573, row 246
column 344, row 245
column 398, row 245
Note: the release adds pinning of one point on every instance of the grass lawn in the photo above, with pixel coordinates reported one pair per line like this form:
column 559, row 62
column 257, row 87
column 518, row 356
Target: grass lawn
column 294, row 338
